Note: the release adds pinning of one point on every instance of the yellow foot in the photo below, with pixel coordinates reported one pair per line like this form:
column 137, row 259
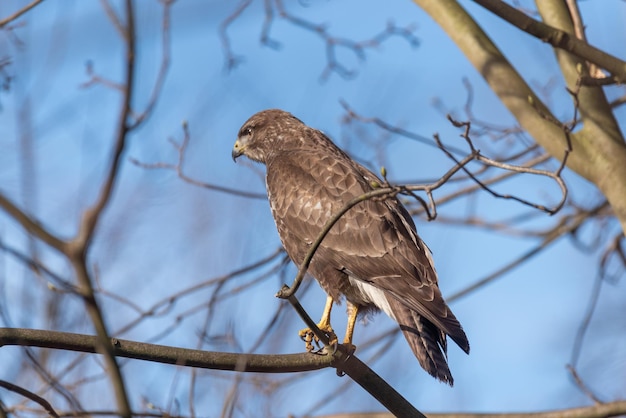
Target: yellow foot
column 309, row 337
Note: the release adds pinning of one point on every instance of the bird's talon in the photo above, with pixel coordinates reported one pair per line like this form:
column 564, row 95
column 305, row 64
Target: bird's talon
column 309, row 337
column 331, row 348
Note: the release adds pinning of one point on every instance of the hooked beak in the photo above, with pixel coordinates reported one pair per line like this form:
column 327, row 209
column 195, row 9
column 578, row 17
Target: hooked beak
column 237, row 151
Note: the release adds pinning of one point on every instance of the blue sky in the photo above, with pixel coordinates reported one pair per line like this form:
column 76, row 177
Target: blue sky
column 160, row 234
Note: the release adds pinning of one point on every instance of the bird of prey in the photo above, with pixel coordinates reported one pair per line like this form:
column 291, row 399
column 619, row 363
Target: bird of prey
column 372, row 256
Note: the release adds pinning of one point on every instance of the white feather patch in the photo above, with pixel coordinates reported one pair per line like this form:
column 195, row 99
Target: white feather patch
column 374, row 295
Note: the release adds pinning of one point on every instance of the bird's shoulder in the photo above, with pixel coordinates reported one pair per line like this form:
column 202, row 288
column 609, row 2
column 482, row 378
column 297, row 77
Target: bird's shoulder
column 319, row 169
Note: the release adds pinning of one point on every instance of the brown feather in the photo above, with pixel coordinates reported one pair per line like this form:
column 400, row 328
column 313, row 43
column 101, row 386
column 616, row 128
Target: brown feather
column 375, row 244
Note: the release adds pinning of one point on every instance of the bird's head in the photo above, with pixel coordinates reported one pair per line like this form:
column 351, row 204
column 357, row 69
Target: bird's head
column 265, row 133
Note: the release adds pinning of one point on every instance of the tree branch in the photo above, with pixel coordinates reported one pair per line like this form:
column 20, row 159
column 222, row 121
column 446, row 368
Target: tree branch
column 30, row 225
column 604, row 410
column 557, row 38
column 181, row 149
column 77, row 248
column 19, row 13
column 30, row 395
column 566, row 225
column 596, row 158
column 261, row 363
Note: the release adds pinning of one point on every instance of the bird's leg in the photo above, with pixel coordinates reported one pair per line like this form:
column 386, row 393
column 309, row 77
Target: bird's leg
column 324, row 325
column 353, row 311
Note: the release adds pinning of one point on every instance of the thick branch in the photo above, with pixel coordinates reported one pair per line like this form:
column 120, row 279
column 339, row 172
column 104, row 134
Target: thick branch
column 596, row 159
column 262, row 363
column 556, row 37
column 506, row 82
column 603, row 410
column 600, row 138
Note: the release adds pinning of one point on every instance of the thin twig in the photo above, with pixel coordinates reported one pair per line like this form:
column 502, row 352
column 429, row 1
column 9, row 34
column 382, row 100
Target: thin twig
column 31, row 225
column 165, row 63
column 581, row 385
column 449, row 151
column 30, row 395
column 332, row 43
column 566, row 225
column 178, row 168
column 19, row 13
column 162, row 306
column 61, row 284
column 232, row 60
column 556, row 176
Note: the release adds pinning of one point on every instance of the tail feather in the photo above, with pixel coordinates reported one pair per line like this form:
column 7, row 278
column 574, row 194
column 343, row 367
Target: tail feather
column 425, row 339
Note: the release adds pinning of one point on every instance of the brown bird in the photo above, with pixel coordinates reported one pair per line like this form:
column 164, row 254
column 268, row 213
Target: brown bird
column 372, row 256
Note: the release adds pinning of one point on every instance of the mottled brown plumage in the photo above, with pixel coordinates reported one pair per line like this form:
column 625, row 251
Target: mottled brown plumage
column 372, row 255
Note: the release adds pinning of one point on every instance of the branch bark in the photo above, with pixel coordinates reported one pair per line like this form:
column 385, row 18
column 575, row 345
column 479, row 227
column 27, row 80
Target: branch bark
column 556, row 36
column 603, row 410
column 597, row 158
column 261, row 363
column 340, row 359
column 78, row 247
column 19, row 13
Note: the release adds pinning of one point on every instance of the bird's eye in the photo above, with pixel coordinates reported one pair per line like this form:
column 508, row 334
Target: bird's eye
column 248, row 131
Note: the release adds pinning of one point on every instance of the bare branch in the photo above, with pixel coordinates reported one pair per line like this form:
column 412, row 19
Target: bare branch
column 178, row 168
column 162, row 306
column 163, row 69
column 30, row 395
column 332, row 43
column 556, row 176
column 581, row 385
column 77, row 249
column 475, row 154
column 557, row 38
column 63, row 284
column 30, row 225
column 618, row 102
column 231, row 59
column 98, row 79
column 605, row 410
column 19, row 13
column 490, row 181
column 567, row 224
column 260, row 363
column 114, row 18
column 614, row 247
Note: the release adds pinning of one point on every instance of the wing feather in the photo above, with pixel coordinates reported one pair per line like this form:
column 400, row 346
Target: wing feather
column 375, row 241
